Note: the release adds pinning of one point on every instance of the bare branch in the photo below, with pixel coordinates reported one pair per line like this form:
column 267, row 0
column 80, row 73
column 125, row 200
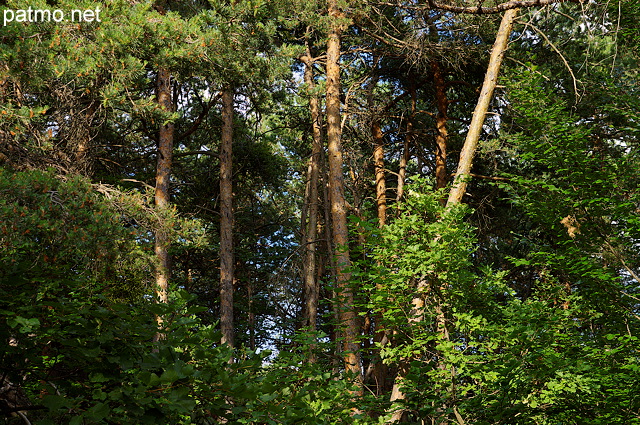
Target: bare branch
column 198, row 121
column 553, row 46
column 201, row 152
column 481, row 176
column 513, row 4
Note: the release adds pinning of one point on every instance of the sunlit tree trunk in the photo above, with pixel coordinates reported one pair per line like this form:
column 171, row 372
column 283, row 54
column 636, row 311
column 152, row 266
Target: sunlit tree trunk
column 162, row 194
column 442, row 135
column 378, row 149
column 375, row 370
column 348, row 318
column 409, row 138
column 226, row 220
column 479, row 114
column 378, row 159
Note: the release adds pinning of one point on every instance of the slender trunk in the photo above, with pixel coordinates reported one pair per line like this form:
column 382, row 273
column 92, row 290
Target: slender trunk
column 441, row 127
column 335, row 328
column 477, row 121
column 226, row 220
column 162, row 194
column 311, row 288
column 404, row 160
column 408, row 139
column 348, row 318
column 378, row 150
column 416, row 318
column 252, row 316
column 464, row 167
column 381, row 184
column 375, row 370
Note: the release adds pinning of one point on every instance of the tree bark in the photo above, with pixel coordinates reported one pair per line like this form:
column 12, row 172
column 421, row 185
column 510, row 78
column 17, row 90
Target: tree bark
column 477, row 121
column 378, row 150
column 375, row 370
column 442, row 134
column 408, row 139
column 381, row 184
column 162, row 193
column 331, row 260
column 348, row 318
column 311, row 288
column 226, row 220
column 506, row 6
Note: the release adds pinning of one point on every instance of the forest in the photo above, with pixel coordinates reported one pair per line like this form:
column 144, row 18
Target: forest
column 320, row 212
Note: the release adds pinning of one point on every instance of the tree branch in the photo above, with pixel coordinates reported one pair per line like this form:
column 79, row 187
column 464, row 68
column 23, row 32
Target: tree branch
column 566, row 64
column 513, row 4
column 189, row 153
column 196, row 124
column 477, row 121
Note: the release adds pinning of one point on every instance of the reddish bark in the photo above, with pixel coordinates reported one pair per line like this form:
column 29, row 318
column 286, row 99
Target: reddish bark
column 348, row 317
column 311, row 288
column 162, row 194
column 226, row 220
column 442, row 134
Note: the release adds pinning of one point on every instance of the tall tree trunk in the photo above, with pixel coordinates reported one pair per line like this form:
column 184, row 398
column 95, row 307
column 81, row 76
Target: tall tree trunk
column 251, row 316
column 408, row 140
column 226, row 220
column 162, row 194
column 455, row 196
column 311, row 288
column 477, row 121
column 335, row 328
column 442, row 134
column 375, row 370
column 348, row 318
column 378, row 159
column 378, row 148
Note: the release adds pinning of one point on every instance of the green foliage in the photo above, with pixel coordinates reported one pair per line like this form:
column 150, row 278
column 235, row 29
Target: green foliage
column 53, row 229
column 581, row 189
column 88, row 360
column 424, row 243
column 82, row 341
column 481, row 350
